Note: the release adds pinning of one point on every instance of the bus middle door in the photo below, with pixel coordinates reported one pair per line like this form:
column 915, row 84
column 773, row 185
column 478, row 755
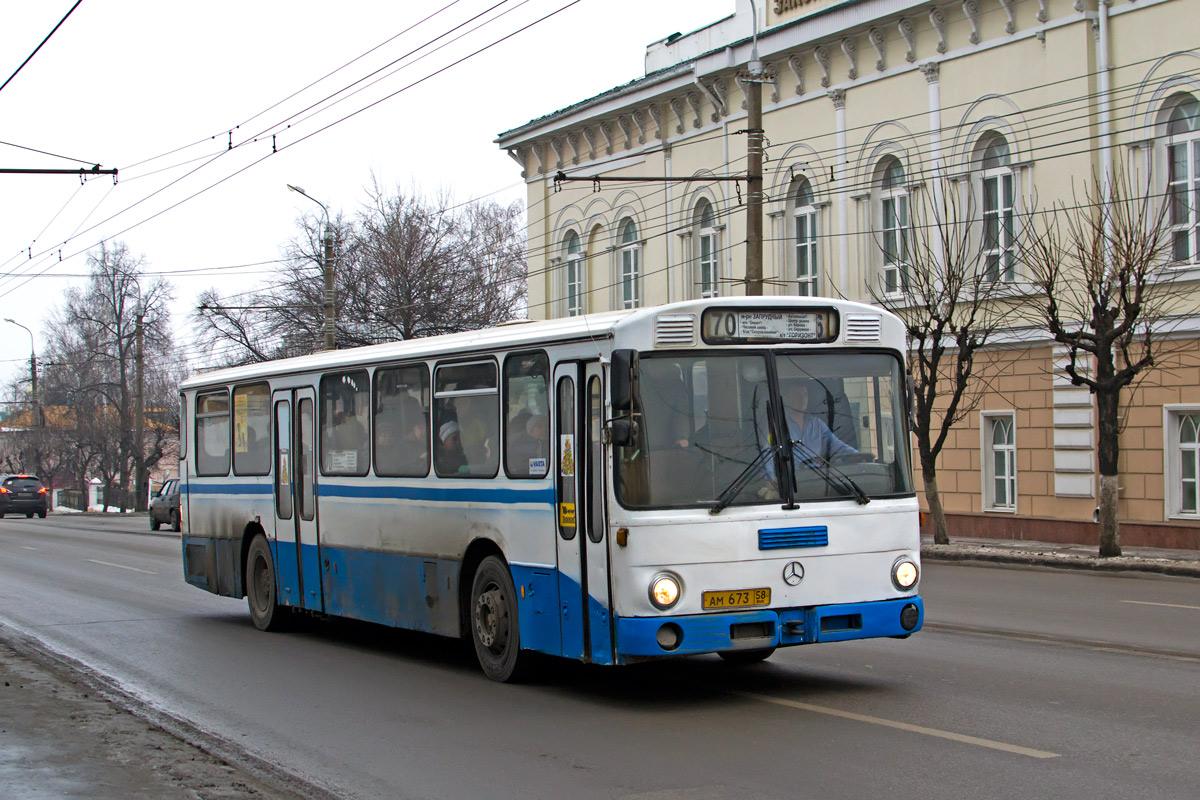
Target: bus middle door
column 297, row 547
column 582, row 547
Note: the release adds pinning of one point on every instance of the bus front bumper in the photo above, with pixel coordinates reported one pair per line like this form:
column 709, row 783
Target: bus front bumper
column 782, row 627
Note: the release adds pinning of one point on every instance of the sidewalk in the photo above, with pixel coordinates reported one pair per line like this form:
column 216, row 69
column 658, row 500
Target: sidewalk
column 1181, row 563
column 63, row 733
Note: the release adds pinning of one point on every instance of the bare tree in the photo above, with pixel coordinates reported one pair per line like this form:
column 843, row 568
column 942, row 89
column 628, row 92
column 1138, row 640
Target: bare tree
column 1108, row 301
column 407, row 267
column 951, row 300
column 93, row 342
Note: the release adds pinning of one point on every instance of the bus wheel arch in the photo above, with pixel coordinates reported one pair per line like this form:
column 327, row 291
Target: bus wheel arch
column 489, row 613
column 262, row 597
column 252, row 529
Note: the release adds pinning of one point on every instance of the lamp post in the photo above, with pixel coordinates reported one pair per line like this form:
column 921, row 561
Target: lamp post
column 32, row 372
column 328, row 303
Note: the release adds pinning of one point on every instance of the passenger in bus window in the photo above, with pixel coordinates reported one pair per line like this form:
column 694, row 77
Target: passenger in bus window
column 811, row 437
column 414, row 447
column 450, row 457
column 531, row 446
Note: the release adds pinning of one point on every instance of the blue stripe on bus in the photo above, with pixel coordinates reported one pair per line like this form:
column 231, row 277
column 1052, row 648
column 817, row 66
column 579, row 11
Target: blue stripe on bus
column 480, row 494
column 197, row 487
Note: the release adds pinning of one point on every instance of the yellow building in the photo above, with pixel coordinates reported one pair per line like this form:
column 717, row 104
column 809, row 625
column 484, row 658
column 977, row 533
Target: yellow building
column 869, row 106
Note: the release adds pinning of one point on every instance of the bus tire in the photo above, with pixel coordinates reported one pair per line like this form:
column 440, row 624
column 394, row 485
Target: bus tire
column 746, row 656
column 265, row 611
column 494, row 624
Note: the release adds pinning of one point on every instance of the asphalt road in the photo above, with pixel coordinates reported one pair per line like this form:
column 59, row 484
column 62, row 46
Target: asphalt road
column 1024, row 684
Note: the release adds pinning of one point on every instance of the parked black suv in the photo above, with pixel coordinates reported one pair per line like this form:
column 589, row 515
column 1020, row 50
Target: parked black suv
column 164, row 507
column 22, row 493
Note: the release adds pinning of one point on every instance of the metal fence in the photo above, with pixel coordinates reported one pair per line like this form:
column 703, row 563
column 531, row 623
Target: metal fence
column 72, row 498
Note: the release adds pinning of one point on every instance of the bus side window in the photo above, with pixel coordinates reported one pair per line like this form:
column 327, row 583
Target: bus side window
column 402, row 422
column 251, row 430
column 212, row 434
column 345, row 415
column 466, row 420
column 526, row 415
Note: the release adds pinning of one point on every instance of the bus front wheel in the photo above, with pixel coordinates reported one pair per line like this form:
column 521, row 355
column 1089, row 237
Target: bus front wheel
column 265, row 611
column 494, row 626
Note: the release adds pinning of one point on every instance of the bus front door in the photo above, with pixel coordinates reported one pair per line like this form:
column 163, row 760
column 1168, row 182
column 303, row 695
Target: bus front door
column 582, row 544
column 297, row 547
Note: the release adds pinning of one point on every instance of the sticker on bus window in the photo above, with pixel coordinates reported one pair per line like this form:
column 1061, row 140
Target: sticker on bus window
column 566, row 455
column 344, row 461
column 284, row 477
column 537, row 466
column 566, row 515
column 241, row 426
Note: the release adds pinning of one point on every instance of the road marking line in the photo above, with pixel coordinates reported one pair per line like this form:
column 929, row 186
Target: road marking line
column 120, row 566
column 27, row 547
column 1161, row 605
column 903, row 726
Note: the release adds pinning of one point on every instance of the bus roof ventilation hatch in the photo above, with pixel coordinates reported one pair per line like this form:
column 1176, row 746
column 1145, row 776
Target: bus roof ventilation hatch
column 862, row 328
column 675, row 330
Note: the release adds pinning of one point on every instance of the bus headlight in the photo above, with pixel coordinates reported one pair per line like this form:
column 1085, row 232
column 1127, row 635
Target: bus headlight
column 664, row 590
column 904, row 573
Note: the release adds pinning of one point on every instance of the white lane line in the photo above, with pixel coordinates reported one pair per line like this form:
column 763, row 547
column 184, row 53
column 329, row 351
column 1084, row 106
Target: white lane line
column 903, row 726
column 1160, row 605
column 120, row 566
column 27, row 547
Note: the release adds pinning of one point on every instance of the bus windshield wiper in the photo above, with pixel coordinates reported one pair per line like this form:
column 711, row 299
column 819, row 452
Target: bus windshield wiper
column 842, row 481
column 735, row 487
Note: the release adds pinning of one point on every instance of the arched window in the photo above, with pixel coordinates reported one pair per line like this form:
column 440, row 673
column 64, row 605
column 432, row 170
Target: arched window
column 804, row 212
column 707, row 250
column 1189, row 463
column 894, row 219
column 574, row 274
column 995, row 165
column 631, row 267
column 1183, row 178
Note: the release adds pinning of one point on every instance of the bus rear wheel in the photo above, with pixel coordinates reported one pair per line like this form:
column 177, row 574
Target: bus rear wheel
column 746, row 656
column 265, row 611
column 494, row 625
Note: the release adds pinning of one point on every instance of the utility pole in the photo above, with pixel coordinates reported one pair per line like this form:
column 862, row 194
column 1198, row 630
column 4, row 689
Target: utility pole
column 754, row 176
column 139, row 414
column 328, row 302
column 329, row 288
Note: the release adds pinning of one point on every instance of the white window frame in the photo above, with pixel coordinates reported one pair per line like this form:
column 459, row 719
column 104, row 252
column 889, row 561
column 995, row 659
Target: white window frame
column 1001, row 253
column 804, row 229
column 629, row 258
column 1187, row 227
column 573, row 276
column 895, row 273
column 708, row 285
column 1173, row 455
column 987, row 460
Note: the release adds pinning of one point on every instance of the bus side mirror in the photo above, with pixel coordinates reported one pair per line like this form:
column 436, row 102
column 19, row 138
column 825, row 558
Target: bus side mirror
column 622, row 380
column 622, row 432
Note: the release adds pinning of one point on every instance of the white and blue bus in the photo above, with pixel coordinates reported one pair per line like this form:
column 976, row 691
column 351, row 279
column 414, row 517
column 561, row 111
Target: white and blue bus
column 720, row 476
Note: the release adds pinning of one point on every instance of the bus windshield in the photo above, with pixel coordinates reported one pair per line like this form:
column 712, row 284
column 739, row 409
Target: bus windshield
column 710, row 431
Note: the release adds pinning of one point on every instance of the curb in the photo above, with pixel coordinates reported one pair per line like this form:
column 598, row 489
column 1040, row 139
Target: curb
column 1084, row 563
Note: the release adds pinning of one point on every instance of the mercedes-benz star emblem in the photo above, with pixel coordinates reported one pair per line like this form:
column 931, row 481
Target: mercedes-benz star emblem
column 793, row 573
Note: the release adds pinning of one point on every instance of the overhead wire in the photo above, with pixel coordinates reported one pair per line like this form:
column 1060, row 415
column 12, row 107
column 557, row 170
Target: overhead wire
column 308, row 136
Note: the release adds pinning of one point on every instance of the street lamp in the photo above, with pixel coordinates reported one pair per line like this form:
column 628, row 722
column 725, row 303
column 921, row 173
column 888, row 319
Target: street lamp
column 32, row 368
column 329, row 291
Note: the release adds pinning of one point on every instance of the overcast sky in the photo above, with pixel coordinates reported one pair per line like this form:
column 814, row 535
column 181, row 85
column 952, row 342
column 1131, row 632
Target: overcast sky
column 154, row 88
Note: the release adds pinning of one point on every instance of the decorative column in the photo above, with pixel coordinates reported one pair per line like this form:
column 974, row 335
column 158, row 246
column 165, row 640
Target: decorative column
column 932, row 73
column 838, row 96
